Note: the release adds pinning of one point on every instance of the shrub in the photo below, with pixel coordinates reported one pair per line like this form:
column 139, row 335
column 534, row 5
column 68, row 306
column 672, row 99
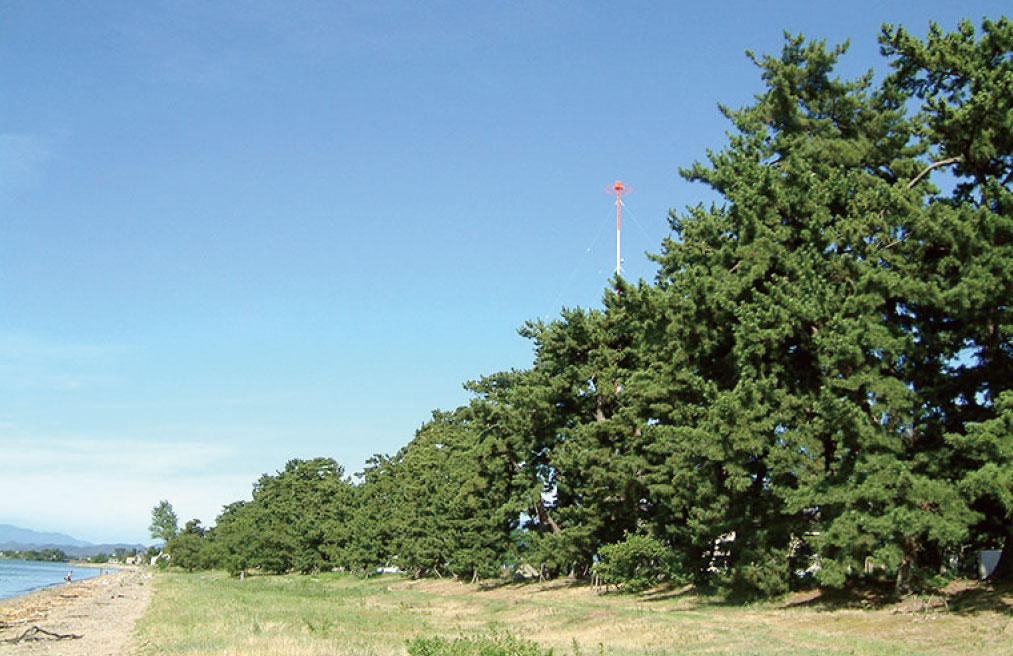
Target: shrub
column 637, row 563
column 764, row 575
column 495, row 644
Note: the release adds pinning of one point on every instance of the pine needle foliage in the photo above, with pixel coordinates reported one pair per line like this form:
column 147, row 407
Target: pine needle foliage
column 815, row 388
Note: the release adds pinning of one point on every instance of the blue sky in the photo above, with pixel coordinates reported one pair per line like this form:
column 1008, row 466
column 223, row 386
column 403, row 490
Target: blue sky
column 235, row 233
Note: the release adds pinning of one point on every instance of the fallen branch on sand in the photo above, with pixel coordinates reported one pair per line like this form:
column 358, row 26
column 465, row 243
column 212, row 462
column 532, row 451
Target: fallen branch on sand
column 32, row 635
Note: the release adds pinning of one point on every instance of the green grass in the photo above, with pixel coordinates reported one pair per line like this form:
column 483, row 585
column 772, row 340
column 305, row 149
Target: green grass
column 341, row 614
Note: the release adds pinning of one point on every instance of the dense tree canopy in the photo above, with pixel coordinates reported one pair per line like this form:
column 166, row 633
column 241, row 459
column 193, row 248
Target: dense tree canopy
column 817, row 385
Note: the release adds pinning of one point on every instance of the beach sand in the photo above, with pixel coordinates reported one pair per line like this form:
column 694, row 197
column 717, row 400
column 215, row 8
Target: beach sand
column 102, row 611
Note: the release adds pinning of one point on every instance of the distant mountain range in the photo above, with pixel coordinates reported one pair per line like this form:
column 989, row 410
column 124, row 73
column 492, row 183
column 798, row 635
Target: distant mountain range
column 15, row 538
column 10, row 533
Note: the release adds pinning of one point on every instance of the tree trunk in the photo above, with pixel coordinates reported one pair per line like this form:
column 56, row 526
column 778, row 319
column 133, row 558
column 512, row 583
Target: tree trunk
column 903, row 583
column 544, row 517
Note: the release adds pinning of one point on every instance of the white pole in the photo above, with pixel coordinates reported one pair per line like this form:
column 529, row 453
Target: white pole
column 619, row 192
column 619, row 188
column 619, row 267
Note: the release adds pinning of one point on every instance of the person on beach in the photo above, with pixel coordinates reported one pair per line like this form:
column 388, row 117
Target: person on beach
column 69, row 576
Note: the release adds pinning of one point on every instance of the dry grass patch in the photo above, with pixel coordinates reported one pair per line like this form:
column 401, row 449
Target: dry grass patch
column 340, row 614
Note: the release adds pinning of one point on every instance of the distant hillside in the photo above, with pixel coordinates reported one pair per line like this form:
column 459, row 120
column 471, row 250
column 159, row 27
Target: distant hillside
column 15, row 538
column 10, row 533
column 72, row 551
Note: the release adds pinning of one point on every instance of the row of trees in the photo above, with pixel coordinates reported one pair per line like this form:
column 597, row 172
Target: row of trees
column 47, row 555
column 818, row 382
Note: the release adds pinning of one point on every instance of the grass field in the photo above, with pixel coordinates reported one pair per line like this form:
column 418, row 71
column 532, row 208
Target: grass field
column 206, row 613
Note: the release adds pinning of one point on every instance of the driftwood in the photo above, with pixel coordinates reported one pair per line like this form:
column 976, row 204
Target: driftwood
column 32, row 635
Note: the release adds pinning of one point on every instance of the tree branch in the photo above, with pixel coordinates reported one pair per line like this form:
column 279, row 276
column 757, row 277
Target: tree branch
column 934, row 165
column 544, row 516
column 32, row 635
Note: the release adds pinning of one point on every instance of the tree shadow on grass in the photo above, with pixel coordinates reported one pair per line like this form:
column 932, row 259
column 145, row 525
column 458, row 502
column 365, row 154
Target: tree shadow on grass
column 531, row 585
column 694, row 596
column 996, row 597
column 861, row 595
column 669, row 591
column 964, row 597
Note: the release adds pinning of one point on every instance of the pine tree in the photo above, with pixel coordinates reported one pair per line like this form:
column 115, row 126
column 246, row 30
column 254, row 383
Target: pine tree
column 961, row 316
column 791, row 416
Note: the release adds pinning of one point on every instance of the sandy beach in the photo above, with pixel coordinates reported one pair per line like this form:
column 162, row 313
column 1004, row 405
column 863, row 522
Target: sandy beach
column 101, row 611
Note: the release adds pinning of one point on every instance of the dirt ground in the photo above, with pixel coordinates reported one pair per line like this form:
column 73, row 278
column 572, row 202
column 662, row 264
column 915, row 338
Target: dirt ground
column 101, row 611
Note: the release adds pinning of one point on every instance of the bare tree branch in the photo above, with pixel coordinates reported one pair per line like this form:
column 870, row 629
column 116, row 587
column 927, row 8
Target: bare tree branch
column 934, row 165
column 32, row 635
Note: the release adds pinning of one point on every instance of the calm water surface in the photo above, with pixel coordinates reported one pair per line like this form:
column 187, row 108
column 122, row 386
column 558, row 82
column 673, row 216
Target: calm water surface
column 18, row 577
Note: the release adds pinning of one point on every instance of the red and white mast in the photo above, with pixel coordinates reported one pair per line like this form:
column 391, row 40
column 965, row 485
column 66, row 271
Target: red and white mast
column 620, row 190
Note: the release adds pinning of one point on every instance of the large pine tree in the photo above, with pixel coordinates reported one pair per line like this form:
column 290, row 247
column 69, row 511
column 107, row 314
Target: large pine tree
column 817, row 320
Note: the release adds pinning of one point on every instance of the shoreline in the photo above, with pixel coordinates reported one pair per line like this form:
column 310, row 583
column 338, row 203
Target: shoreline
column 73, row 565
column 101, row 610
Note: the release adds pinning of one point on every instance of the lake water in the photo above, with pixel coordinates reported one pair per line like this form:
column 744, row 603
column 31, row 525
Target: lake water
column 18, row 577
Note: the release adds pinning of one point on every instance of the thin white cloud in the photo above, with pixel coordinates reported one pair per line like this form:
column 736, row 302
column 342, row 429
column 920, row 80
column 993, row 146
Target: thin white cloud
column 103, row 489
column 33, row 363
column 22, row 346
column 111, row 505
column 139, row 456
